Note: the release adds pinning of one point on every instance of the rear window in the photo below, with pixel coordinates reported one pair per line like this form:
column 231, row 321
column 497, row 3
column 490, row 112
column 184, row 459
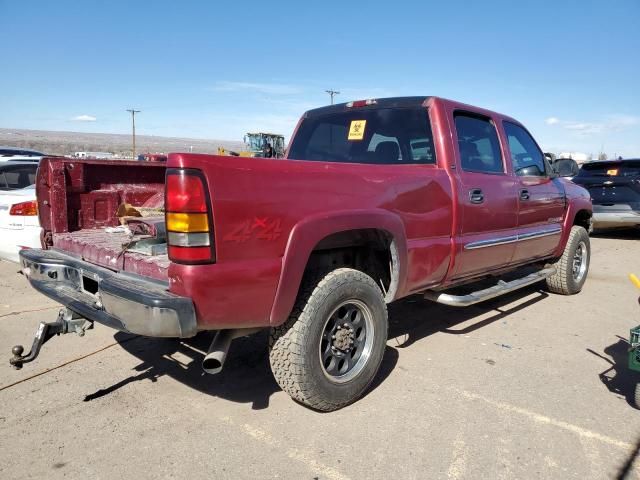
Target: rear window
column 629, row 168
column 372, row 136
column 17, row 176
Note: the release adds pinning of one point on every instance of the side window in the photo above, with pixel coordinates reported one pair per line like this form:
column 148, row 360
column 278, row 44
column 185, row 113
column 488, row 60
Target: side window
column 478, row 144
column 526, row 157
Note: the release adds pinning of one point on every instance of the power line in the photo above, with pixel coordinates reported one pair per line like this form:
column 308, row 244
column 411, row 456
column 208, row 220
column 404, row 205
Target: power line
column 133, row 126
column 332, row 93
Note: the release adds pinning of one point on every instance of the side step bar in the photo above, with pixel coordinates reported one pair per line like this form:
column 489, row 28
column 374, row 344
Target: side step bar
column 481, row 295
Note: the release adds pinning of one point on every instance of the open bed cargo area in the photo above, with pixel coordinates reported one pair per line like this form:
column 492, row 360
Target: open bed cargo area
column 76, row 214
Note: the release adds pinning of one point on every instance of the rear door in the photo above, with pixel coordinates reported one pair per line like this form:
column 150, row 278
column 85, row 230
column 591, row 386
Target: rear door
column 541, row 198
column 487, row 198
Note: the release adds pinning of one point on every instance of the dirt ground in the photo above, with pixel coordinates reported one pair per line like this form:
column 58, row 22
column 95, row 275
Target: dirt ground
column 528, row 386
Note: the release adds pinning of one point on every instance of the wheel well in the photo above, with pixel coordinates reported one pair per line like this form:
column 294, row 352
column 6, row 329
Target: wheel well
column 583, row 219
column 371, row 251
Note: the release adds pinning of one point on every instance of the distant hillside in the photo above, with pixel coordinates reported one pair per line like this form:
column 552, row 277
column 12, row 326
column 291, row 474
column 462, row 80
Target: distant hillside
column 65, row 143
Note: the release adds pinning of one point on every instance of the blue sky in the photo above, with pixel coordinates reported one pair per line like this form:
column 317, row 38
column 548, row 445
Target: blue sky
column 569, row 70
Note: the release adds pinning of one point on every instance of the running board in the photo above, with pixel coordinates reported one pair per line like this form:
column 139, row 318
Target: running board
column 481, row 295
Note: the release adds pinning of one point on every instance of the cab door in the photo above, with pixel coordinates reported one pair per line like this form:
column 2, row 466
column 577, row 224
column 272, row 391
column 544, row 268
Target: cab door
column 541, row 199
column 487, row 199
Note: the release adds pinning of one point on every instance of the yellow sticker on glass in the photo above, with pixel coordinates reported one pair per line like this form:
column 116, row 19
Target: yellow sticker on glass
column 356, row 129
column 613, row 172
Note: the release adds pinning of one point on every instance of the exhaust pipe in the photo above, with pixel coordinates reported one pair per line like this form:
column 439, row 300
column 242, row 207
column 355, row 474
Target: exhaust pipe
column 214, row 359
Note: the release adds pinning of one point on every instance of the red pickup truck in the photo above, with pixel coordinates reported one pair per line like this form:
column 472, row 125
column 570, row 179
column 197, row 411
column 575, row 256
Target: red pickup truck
column 376, row 200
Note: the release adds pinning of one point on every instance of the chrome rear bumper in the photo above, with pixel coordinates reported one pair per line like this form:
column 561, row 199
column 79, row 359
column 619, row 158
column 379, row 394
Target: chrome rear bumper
column 624, row 218
column 123, row 301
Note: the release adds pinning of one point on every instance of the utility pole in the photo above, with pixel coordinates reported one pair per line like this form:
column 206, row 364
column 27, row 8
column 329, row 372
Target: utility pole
column 133, row 125
column 332, row 93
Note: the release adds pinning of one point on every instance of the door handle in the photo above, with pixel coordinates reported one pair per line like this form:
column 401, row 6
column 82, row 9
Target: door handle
column 476, row 195
column 524, row 194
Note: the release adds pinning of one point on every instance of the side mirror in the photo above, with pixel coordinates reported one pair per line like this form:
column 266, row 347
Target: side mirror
column 566, row 167
column 530, row 171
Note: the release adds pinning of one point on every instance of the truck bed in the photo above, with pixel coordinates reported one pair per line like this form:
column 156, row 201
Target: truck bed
column 108, row 250
column 79, row 199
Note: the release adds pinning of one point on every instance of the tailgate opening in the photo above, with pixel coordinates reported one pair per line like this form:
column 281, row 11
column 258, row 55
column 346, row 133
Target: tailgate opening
column 107, row 212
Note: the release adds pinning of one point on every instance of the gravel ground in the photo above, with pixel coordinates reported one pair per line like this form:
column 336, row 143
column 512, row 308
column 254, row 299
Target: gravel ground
column 527, row 386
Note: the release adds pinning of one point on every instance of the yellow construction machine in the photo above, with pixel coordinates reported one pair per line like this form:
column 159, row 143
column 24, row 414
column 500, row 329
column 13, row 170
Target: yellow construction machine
column 256, row 145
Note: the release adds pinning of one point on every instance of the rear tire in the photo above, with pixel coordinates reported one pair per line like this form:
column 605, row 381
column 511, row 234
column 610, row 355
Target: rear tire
column 573, row 266
column 330, row 349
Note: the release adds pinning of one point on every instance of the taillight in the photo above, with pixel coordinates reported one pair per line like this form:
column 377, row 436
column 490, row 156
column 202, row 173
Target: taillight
column 188, row 217
column 25, row 209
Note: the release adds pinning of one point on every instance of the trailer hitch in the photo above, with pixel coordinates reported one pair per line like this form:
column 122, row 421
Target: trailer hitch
column 67, row 322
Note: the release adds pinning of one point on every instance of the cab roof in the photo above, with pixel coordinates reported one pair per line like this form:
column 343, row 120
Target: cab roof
column 403, row 102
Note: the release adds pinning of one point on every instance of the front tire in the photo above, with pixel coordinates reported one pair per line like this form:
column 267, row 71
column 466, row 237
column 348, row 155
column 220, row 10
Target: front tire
column 330, row 349
column 573, row 266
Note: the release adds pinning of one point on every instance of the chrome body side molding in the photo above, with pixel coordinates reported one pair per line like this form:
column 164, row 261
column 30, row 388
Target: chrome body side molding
column 492, row 242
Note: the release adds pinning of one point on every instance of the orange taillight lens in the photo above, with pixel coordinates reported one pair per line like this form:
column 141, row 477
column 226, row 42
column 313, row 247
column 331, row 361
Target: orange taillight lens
column 187, row 222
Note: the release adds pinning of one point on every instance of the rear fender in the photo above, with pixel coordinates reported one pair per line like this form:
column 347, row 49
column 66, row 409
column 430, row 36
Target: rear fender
column 309, row 232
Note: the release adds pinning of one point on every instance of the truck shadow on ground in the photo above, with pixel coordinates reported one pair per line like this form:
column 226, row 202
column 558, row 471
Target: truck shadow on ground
column 618, row 378
column 415, row 318
column 246, row 376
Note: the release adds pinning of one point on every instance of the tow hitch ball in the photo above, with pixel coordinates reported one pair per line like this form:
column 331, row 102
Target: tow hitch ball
column 66, row 322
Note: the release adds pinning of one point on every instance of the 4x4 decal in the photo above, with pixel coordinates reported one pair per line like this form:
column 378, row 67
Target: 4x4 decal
column 260, row 228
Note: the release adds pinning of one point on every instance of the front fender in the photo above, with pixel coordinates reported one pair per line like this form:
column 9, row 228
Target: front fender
column 306, row 234
column 579, row 200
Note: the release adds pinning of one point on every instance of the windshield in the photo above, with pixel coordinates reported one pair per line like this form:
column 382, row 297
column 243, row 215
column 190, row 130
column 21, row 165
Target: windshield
column 254, row 142
column 373, row 136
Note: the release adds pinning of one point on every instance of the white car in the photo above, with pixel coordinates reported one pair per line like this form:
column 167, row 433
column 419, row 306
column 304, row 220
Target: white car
column 19, row 225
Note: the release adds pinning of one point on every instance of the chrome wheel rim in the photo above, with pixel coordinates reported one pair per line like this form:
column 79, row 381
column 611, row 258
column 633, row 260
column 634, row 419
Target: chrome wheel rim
column 580, row 262
column 347, row 341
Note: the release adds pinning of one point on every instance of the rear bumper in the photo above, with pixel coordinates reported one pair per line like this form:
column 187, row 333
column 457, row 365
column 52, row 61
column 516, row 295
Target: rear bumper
column 604, row 218
column 122, row 301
